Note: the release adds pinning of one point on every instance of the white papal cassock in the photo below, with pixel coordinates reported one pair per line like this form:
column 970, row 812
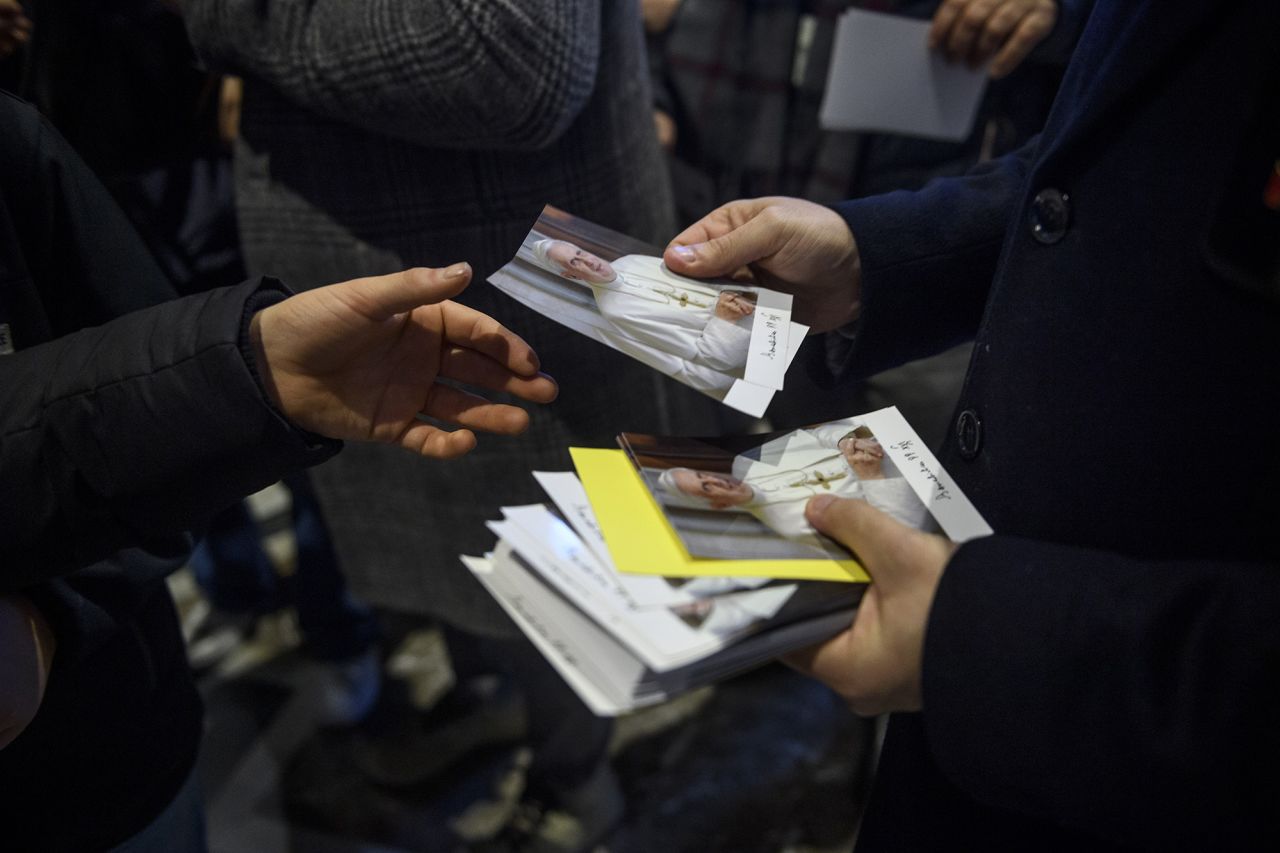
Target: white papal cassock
column 651, row 306
column 786, row 472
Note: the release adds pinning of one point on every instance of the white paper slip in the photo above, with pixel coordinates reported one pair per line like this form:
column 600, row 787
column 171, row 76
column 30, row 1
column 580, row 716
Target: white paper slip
column 663, row 638
column 636, row 591
column 598, row 668
column 950, row 507
column 566, row 491
column 754, row 399
column 884, row 78
column 599, row 665
column 770, row 356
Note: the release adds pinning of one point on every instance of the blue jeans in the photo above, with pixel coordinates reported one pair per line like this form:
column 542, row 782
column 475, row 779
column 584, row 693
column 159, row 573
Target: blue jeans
column 232, row 568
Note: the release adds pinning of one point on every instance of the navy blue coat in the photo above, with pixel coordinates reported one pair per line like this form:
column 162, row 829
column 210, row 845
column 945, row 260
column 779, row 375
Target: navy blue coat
column 1105, row 670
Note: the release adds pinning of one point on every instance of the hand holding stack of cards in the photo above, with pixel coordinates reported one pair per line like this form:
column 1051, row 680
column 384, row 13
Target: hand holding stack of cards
column 674, row 561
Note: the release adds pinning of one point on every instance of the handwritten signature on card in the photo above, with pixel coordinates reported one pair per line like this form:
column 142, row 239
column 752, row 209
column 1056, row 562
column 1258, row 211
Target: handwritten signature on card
column 772, row 322
column 907, row 446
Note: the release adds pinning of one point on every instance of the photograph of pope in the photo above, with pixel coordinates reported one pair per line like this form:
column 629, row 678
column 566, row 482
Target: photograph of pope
column 707, row 330
column 771, row 483
column 728, row 340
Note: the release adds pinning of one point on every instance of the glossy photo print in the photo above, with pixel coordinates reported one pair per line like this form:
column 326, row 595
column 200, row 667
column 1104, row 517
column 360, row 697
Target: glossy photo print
column 729, row 340
column 744, row 497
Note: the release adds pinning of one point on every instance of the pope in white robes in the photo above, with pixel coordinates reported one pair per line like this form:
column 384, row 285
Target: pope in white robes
column 703, row 331
column 776, row 481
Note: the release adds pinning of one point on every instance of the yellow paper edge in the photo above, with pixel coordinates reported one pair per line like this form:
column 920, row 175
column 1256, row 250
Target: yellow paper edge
column 642, row 541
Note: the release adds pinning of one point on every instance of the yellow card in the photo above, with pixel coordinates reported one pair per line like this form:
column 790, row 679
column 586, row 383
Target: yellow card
column 642, row 541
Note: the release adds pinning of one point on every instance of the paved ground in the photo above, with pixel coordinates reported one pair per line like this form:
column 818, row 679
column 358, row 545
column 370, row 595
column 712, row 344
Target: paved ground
column 767, row 762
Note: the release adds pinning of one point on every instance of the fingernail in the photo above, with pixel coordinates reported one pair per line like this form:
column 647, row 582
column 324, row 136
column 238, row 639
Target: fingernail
column 456, row 270
column 817, row 506
column 688, row 254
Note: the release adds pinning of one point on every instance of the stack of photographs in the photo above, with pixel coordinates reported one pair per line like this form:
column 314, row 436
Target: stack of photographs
column 627, row 641
column 732, row 341
column 676, row 562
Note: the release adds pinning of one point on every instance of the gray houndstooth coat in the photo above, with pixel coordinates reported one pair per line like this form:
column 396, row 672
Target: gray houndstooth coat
column 385, row 134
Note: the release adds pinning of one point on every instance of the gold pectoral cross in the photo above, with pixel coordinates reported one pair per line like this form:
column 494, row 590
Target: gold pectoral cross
column 682, row 298
column 685, row 300
column 825, row 480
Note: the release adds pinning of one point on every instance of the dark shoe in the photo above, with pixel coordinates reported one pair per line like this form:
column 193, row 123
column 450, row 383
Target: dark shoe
column 473, row 716
column 576, row 821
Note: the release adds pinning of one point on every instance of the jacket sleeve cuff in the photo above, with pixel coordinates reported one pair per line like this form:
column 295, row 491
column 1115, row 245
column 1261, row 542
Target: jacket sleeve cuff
column 271, row 292
column 928, row 258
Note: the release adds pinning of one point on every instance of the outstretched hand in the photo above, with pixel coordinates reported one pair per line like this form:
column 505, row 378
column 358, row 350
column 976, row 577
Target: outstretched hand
column 789, row 245
column 361, row 360
column 974, row 31
column 875, row 665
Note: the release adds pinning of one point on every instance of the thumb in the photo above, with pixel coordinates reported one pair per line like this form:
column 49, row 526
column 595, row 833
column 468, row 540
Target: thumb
column 866, row 531
column 724, row 255
column 388, row 295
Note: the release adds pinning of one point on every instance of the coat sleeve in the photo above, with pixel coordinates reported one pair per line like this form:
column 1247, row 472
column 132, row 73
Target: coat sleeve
column 126, row 434
column 928, row 258
column 1172, row 745
column 494, row 74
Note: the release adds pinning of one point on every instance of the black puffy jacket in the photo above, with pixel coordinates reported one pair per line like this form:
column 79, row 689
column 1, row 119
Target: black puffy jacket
column 125, row 418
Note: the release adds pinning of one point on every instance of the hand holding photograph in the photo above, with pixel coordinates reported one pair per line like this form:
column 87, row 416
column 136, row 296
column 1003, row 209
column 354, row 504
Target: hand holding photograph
column 729, row 340
column 601, row 584
column 743, row 497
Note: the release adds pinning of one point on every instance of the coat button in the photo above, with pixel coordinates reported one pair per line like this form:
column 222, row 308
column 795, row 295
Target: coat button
column 1050, row 214
column 969, row 433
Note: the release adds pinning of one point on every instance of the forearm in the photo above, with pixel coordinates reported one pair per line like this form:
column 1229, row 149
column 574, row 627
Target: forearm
column 507, row 74
column 128, row 433
column 1174, row 748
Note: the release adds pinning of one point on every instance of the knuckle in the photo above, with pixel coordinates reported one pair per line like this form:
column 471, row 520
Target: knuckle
column 770, row 216
column 1005, row 19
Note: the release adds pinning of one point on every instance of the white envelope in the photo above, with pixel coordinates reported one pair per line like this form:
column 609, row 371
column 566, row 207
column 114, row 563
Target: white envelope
column 884, row 78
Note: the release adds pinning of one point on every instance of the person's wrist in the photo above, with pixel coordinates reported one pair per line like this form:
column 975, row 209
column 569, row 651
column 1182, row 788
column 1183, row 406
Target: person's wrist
column 851, row 264
column 266, row 372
